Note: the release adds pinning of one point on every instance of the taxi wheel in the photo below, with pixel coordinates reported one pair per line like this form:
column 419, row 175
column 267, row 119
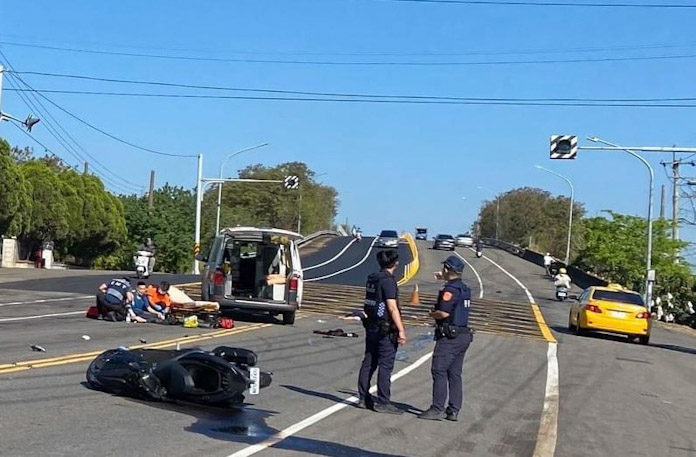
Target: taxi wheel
column 579, row 330
column 571, row 327
column 644, row 339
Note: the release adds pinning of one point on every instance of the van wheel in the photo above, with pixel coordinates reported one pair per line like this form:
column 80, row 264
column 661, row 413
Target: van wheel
column 289, row 318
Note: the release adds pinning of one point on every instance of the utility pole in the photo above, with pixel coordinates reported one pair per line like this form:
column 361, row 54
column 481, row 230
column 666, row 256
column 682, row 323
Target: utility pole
column 662, row 202
column 151, row 195
column 85, row 169
column 675, row 196
column 676, row 177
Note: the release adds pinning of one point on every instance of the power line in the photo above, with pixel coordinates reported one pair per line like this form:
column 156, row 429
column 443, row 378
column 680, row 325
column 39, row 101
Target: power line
column 541, row 3
column 354, row 63
column 636, row 47
column 50, row 120
column 453, row 101
column 47, row 149
column 313, row 93
column 106, row 174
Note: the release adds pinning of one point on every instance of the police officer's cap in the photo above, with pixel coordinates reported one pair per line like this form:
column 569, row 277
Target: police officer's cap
column 454, row 263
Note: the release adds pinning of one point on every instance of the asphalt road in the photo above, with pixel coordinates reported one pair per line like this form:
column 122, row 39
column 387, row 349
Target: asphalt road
column 616, row 398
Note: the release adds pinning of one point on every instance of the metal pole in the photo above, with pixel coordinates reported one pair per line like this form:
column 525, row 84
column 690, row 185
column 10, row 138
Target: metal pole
column 662, row 202
column 222, row 165
column 2, row 69
column 648, row 256
column 497, row 218
column 675, row 197
column 570, row 211
column 299, row 211
column 151, row 195
column 199, row 198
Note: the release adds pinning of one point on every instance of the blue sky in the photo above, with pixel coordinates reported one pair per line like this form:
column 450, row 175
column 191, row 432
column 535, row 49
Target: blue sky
column 395, row 166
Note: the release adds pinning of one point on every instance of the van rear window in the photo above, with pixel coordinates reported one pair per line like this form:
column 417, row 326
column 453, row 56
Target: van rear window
column 617, row 296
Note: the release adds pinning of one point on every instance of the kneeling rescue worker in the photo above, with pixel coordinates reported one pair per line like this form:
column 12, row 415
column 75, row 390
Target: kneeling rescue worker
column 452, row 339
column 384, row 332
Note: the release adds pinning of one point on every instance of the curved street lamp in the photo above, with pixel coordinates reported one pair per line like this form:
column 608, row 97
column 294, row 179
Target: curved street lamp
column 570, row 211
column 649, row 274
column 222, row 165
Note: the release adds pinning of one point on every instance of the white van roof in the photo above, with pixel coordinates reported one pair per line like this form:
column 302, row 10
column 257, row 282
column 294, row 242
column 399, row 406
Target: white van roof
column 260, row 230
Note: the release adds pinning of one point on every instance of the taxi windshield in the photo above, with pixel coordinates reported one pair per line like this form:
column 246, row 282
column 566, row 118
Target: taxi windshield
column 617, row 296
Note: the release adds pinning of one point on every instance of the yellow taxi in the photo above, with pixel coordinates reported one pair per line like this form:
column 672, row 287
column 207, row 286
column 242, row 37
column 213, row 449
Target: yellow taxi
column 611, row 309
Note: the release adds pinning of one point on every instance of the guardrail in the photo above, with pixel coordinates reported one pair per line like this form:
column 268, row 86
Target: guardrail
column 316, row 235
column 411, row 269
column 579, row 277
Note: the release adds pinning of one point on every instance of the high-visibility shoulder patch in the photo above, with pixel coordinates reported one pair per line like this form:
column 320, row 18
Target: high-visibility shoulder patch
column 447, row 296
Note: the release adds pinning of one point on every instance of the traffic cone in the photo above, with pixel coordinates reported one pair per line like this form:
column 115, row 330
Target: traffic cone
column 415, row 296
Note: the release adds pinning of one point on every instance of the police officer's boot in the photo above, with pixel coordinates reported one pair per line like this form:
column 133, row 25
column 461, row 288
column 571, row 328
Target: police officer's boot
column 388, row 408
column 451, row 415
column 431, row 414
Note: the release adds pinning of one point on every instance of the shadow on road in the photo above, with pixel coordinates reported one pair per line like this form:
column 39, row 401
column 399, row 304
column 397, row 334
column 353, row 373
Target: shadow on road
column 250, row 316
column 248, row 425
column 674, row 347
column 335, row 398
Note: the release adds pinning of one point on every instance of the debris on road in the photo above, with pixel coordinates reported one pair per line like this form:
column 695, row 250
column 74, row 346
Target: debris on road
column 336, row 332
column 37, row 348
column 142, row 340
column 86, row 337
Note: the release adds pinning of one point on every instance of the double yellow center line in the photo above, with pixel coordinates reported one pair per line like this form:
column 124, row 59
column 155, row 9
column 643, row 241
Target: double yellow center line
column 85, row 356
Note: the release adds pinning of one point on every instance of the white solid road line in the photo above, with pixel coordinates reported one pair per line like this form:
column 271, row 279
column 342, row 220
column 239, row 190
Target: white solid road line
column 24, row 318
column 519, row 283
column 46, row 300
column 548, row 427
column 547, row 436
column 346, row 269
column 311, row 420
column 331, row 259
column 475, row 272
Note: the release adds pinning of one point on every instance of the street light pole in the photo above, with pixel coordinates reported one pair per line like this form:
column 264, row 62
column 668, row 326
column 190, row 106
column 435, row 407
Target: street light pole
column 199, row 198
column 648, row 260
column 570, row 211
column 222, row 166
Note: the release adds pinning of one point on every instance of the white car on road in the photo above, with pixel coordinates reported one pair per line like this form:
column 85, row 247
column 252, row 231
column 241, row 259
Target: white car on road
column 465, row 240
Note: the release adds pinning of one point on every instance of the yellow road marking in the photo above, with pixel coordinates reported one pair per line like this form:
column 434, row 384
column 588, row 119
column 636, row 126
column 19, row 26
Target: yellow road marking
column 542, row 324
column 81, row 357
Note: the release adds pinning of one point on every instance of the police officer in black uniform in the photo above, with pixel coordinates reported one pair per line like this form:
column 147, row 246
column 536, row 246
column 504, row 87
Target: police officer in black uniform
column 384, row 331
column 113, row 299
column 452, row 339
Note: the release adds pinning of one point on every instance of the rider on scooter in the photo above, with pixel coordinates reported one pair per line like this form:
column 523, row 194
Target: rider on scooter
column 562, row 279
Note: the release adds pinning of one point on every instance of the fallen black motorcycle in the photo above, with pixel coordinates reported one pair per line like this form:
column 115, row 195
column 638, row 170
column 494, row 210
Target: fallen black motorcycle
column 216, row 378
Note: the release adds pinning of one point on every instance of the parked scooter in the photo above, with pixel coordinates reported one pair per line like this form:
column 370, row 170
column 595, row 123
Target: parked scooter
column 143, row 261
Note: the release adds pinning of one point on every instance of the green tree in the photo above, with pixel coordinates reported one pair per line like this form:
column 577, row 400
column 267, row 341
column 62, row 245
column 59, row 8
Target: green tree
column 15, row 191
column 49, row 211
column 271, row 205
column 533, row 218
column 170, row 224
column 614, row 248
